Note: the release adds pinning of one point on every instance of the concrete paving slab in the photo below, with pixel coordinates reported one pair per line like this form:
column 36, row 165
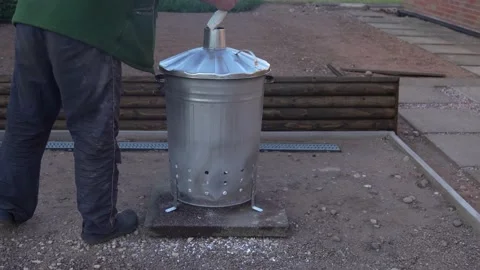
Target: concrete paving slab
column 426, row 40
column 367, row 13
column 463, row 60
column 191, row 221
column 423, row 94
column 406, row 33
column 464, row 150
column 391, row 26
column 380, row 19
column 433, row 120
column 439, row 82
column 448, row 49
column 472, row 92
column 473, row 69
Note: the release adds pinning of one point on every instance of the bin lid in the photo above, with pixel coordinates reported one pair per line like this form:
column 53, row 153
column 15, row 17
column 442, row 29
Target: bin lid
column 214, row 60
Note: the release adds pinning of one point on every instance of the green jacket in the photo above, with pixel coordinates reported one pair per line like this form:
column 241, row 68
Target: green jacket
column 122, row 28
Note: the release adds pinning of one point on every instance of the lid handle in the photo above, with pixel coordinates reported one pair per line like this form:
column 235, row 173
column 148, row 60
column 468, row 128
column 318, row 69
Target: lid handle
column 216, row 19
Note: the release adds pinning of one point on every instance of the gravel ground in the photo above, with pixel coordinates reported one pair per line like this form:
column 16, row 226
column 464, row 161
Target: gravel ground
column 365, row 208
column 296, row 40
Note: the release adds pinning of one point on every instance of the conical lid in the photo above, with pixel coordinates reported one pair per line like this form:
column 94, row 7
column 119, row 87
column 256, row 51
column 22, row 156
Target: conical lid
column 214, row 60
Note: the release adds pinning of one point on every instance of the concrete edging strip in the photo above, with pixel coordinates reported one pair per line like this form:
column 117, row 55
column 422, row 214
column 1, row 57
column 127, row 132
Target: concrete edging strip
column 471, row 216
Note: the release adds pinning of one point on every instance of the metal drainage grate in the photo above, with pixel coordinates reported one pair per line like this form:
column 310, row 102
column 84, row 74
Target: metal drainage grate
column 289, row 147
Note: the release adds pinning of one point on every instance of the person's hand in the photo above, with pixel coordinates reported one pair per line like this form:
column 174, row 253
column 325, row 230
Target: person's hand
column 225, row 5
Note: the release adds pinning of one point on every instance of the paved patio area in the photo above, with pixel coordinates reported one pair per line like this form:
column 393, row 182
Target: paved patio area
column 446, row 111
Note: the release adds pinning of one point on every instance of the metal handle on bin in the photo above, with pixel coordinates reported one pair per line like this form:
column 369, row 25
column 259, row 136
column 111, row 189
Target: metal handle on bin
column 255, row 59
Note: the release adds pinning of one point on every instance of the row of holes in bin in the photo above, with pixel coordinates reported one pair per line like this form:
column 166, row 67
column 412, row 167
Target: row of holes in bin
column 224, row 182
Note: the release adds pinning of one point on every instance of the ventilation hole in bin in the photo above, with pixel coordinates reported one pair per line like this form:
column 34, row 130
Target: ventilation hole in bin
column 189, row 190
column 242, row 170
column 189, row 180
column 206, row 193
column 225, row 172
column 224, row 193
column 176, row 176
column 176, row 166
column 240, row 190
column 241, row 179
column 189, row 170
column 224, row 183
column 206, row 172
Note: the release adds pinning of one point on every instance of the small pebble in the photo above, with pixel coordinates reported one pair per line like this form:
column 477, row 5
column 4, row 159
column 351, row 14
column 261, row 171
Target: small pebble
column 376, row 226
column 136, row 232
column 367, row 186
column 457, row 223
column 397, row 176
column 175, row 254
column 423, row 183
column 336, row 238
column 406, row 158
column 444, row 243
column 190, row 239
column 375, row 246
column 319, row 188
column 96, row 266
column 373, row 221
column 416, row 133
column 324, row 209
column 409, row 199
column 333, row 212
column 357, row 175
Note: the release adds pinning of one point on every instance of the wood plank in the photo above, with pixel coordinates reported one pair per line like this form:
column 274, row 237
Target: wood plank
column 273, row 89
column 268, row 113
column 272, row 102
column 327, row 113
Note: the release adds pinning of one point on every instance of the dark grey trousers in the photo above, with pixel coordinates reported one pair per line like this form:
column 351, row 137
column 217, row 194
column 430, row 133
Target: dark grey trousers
column 54, row 72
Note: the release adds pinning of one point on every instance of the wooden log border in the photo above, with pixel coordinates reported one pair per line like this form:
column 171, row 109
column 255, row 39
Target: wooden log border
column 290, row 104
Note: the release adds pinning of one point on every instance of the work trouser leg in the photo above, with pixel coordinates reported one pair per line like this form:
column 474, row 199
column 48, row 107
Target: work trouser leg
column 90, row 85
column 33, row 106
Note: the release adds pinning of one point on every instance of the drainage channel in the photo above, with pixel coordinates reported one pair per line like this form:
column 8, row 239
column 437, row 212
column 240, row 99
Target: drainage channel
column 264, row 147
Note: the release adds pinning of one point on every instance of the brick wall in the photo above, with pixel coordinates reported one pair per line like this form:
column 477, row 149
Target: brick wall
column 464, row 13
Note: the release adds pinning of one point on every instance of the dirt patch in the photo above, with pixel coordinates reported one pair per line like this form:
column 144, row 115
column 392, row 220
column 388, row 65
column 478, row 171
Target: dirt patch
column 347, row 211
column 295, row 39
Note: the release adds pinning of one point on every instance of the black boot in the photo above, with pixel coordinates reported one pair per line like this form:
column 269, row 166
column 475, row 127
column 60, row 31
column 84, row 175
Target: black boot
column 126, row 223
column 6, row 219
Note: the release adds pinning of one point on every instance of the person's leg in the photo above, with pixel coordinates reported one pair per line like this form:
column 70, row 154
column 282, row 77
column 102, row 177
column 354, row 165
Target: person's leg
column 33, row 106
column 90, row 86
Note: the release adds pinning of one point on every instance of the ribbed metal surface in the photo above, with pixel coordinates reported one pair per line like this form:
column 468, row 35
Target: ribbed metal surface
column 283, row 147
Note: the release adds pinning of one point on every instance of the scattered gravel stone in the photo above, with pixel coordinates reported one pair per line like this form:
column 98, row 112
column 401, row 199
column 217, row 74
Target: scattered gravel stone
column 96, row 266
column 319, row 188
column 357, row 175
column 333, row 212
column 375, row 246
column 374, row 221
column 336, row 238
column 409, row 199
column 416, row 133
column 444, row 243
column 367, row 186
column 423, row 183
column 324, row 209
column 398, row 176
column 457, row 223
column 190, row 239
column 406, row 159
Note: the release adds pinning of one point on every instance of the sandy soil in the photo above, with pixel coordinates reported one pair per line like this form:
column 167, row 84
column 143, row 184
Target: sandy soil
column 347, row 211
column 296, row 40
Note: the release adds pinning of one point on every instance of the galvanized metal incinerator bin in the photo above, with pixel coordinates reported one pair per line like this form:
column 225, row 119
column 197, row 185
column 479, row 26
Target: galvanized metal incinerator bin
column 214, row 100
